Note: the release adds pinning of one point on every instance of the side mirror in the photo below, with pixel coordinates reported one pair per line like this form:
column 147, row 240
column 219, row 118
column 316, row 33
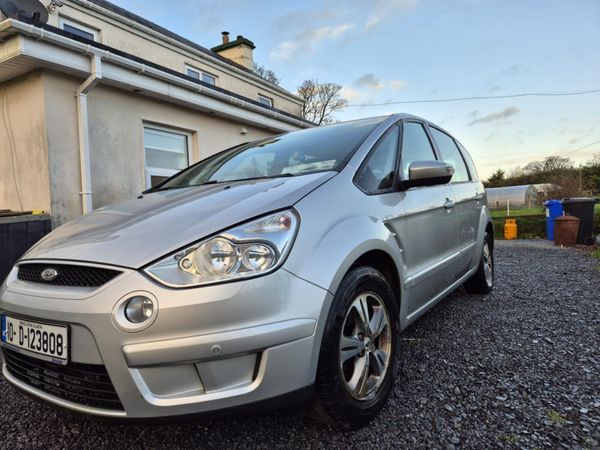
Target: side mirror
column 427, row 173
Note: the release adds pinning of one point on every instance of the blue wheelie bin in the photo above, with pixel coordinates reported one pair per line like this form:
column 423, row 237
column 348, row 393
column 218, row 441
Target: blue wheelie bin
column 554, row 209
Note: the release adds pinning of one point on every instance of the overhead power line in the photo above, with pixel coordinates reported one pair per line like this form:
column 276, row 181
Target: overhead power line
column 486, row 97
column 581, row 148
column 555, row 151
column 529, row 154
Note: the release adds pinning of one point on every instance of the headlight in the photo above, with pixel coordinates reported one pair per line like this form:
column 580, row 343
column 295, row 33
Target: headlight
column 245, row 251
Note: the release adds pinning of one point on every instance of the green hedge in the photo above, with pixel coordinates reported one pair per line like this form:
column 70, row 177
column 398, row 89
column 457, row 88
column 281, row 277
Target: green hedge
column 528, row 227
column 532, row 226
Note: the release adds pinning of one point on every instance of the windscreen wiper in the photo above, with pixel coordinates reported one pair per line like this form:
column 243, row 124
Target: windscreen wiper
column 167, row 188
column 263, row 177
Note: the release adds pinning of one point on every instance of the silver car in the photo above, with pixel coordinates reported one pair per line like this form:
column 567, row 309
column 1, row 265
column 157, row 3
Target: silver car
column 275, row 271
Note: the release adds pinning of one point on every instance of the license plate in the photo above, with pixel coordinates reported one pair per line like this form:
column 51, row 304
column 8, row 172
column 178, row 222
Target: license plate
column 42, row 340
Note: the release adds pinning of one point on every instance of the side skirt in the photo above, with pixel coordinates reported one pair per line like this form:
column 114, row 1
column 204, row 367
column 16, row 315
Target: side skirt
column 427, row 306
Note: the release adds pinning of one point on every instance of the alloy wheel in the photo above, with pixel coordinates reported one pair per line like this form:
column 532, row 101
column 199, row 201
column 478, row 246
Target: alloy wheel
column 488, row 262
column 365, row 346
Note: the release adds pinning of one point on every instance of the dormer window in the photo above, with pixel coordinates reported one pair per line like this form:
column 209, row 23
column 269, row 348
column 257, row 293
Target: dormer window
column 78, row 29
column 201, row 75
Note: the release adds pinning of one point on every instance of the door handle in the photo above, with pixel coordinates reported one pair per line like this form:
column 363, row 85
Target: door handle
column 449, row 204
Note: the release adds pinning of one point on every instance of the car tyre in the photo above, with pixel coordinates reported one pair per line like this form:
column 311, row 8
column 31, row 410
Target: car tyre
column 358, row 360
column 482, row 281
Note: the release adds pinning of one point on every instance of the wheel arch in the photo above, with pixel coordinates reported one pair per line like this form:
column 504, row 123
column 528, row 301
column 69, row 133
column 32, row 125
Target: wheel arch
column 489, row 228
column 384, row 263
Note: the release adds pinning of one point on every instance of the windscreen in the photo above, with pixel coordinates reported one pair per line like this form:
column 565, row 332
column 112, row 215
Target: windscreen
column 318, row 149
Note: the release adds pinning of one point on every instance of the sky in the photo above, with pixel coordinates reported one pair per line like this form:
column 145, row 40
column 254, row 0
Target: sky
column 405, row 50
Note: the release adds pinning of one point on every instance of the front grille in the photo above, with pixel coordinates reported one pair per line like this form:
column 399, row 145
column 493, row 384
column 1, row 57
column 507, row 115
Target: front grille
column 67, row 275
column 84, row 384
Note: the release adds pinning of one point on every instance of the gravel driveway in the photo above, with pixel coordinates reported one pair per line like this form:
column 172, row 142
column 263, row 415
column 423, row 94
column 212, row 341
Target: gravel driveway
column 520, row 368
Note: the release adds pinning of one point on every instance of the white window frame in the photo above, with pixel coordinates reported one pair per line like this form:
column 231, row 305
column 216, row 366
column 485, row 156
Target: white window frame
column 159, row 171
column 62, row 21
column 262, row 96
column 201, row 73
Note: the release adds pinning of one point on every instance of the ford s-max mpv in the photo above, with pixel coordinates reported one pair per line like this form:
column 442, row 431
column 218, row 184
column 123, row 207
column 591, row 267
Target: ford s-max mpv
column 278, row 269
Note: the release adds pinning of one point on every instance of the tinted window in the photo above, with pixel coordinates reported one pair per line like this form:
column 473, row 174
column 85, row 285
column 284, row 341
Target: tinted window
column 415, row 146
column 317, row 149
column 377, row 173
column 451, row 155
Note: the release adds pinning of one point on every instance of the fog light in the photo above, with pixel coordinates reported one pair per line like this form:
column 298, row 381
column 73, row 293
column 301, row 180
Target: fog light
column 139, row 309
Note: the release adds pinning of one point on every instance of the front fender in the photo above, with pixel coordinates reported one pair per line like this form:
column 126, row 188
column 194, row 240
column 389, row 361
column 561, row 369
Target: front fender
column 325, row 261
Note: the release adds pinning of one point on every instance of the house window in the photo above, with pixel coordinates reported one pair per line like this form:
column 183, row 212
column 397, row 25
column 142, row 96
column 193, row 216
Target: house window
column 166, row 153
column 208, row 78
column 265, row 100
column 199, row 75
column 78, row 29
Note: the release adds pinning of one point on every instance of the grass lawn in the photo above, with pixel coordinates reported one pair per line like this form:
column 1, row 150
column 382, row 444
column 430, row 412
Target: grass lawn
column 518, row 212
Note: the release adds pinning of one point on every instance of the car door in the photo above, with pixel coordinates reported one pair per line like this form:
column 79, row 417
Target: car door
column 467, row 197
column 428, row 230
column 480, row 199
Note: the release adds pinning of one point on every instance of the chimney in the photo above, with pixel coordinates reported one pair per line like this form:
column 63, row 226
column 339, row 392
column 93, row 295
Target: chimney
column 238, row 51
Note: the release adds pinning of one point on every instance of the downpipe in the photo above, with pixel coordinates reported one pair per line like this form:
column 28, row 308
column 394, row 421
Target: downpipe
column 83, row 131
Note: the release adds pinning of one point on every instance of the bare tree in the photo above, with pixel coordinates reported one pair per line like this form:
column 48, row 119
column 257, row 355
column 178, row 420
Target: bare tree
column 321, row 101
column 267, row 74
column 557, row 164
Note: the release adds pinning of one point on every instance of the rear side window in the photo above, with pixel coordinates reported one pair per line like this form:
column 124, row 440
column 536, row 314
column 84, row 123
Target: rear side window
column 469, row 161
column 377, row 173
column 415, row 146
column 451, row 155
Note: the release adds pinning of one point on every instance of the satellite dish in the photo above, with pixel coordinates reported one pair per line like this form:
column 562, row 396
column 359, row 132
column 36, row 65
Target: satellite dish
column 24, row 10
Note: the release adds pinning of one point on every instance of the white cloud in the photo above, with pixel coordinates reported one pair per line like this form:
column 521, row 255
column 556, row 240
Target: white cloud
column 300, row 32
column 351, row 94
column 397, row 85
column 372, row 23
column 384, row 9
column 363, row 89
column 369, row 81
column 307, row 40
column 284, row 50
column 332, row 32
column 496, row 116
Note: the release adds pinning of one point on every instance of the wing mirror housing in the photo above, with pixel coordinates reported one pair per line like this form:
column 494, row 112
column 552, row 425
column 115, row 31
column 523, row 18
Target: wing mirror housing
column 427, row 173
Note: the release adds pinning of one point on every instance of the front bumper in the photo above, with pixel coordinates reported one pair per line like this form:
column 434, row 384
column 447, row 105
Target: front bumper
column 209, row 348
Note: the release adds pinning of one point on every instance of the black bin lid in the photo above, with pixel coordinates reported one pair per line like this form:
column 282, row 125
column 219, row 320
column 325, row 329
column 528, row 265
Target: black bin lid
column 566, row 201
